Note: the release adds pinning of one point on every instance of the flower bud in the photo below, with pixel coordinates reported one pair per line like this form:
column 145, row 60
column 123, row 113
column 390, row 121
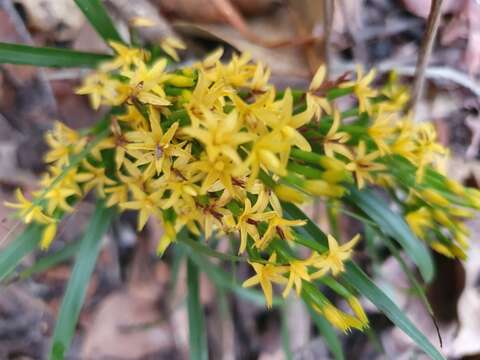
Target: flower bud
column 323, row 188
column 289, row 194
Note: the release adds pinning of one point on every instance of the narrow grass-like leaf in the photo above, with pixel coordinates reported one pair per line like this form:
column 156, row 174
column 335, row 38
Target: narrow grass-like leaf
column 198, row 347
column 77, row 285
column 210, row 252
column 25, row 243
column 393, row 225
column 328, row 333
column 356, row 278
column 50, row 260
column 98, row 17
column 49, row 57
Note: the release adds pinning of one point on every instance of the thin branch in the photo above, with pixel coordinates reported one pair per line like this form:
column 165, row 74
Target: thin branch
column 425, row 51
column 328, row 10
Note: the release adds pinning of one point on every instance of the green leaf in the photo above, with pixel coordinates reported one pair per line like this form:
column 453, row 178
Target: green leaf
column 25, row 243
column 77, row 285
column 393, row 225
column 50, row 260
column 198, row 246
column 356, row 278
column 360, row 281
column 45, row 56
column 196, row 328
column 98, row 17
column 328, row 333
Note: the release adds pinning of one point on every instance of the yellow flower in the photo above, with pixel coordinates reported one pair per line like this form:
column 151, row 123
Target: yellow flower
column 145, row 203
column 124, row 58
column 298, row 272
column 167, row 238
column 397, row 94
column 264, row 154
column 97, row 180
column 180, row 185
column 57, row 198
column 247, row 222
column 27, row 210
column 154, row 148
column 362, row 89
column 220, row 133
column 287, row 124
column 48, row 234
column 362, row 164
column 214, row 215
column 117, row 194
column 63, row 142
column 221, row 169
column 381, row 130
column 334, row 141
column 419, row 220
column 146, row 83
column 317, row 102
column 333, row 260
column 266, row 275
column 277, row 225
column 103, row 90
column 341, row 320
column 428, row 149
column 236, row 73
column 170, row 45
column 257, row 114
column 206, row 95
column 259, row 81
column 134, row 118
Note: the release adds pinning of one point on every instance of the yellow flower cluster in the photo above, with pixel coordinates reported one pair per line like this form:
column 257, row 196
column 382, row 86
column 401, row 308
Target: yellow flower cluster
column 215, row 148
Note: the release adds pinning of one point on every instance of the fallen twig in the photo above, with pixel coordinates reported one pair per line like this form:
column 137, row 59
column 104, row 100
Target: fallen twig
column 425, row 51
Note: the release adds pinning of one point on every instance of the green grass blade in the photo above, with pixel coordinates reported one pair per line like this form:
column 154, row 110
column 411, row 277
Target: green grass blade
column 328, row 333
column 50, row 260
column 356, row 278
column 393, row 225
column 77, row 285
column 25, row 243
column 284, row 331
column 50, row 57
column 198, row 246
column 196, row 325
column 98, row 17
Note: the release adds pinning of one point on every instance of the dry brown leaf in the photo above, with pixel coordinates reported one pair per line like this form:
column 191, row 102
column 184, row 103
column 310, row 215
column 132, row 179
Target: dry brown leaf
column 25, row 322
column 61, row 19
column 283, row 61
column 128, row 325
column 421, row 8
column 203, row 11
column 466, row 340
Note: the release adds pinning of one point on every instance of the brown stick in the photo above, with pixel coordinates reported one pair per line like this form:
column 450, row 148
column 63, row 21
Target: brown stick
column 425, row 52
column 327, row 32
